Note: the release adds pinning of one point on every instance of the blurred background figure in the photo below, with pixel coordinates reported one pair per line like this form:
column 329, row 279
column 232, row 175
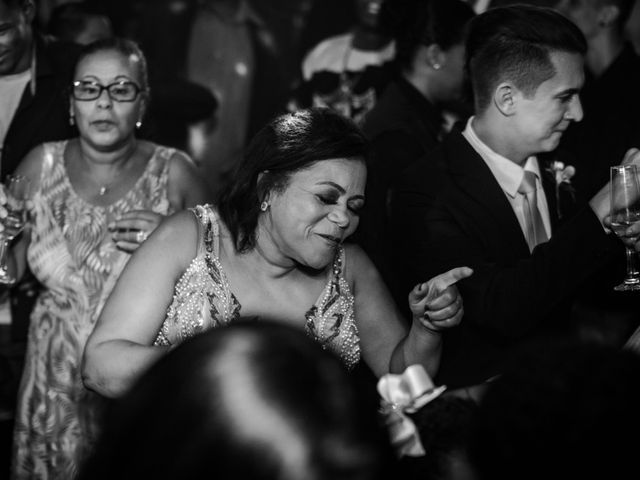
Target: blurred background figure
column 79, row 22
column 255, row 399
column 348, row 72
column 95, row 199
column 610, row 96
column 233, row 52
column 632, row 28
column 408, row 120
column 565, row 412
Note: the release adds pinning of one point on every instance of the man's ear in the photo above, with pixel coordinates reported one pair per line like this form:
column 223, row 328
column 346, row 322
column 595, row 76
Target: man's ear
column 504, row 98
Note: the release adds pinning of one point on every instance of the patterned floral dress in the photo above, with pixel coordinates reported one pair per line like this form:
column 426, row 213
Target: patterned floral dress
column 203, row 299
column 72, row 254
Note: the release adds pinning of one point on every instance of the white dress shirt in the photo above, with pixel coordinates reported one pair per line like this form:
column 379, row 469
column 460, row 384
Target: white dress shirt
column 509, row 176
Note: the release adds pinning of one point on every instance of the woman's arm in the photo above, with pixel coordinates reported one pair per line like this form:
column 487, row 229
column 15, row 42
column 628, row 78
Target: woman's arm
column 387, row 342
column 120, row 347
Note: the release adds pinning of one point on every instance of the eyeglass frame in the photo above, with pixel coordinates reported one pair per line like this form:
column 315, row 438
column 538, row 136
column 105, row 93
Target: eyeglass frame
column 102, row 88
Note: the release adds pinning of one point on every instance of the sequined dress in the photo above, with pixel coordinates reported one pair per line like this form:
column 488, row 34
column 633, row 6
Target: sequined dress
column 72, row 254
column 203, row 300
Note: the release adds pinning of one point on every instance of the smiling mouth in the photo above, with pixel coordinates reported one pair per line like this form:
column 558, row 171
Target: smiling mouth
column 331, row 239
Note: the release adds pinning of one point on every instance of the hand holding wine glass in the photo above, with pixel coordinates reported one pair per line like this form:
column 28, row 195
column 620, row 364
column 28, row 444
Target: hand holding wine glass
column 16, row 192
column 625, row 211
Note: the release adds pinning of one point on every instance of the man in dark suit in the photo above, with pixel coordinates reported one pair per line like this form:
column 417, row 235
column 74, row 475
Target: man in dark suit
column 41, row 112
column 491, row 206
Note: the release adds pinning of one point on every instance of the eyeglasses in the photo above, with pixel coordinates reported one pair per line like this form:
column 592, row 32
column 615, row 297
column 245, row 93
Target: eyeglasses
column 122, row 91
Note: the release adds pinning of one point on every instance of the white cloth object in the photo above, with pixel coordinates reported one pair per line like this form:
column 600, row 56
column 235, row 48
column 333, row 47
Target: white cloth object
column 330, row 55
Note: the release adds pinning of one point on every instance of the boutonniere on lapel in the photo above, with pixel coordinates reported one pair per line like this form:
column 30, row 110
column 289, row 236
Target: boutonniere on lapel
column 562, row 174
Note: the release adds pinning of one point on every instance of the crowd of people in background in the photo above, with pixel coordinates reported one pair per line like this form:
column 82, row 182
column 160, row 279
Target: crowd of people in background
column 318, row 239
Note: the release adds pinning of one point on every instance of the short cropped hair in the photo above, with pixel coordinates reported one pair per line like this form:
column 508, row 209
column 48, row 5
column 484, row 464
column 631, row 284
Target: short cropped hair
column 124, row 46
column 286, row 145
column 514, row 43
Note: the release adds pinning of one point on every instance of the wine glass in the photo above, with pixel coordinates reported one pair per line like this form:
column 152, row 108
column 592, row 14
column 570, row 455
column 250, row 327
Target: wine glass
column 17, row 193
column 625, row 210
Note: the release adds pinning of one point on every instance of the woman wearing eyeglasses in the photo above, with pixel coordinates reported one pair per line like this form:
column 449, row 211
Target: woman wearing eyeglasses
column 94, row 200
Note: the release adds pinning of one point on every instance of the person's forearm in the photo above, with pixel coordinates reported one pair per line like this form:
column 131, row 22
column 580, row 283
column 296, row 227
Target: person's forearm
column 420, row 346
column 110, row 368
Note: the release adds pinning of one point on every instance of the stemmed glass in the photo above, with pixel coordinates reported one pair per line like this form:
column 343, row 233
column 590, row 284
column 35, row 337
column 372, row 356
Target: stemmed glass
column 625, row 210
column 17, row 193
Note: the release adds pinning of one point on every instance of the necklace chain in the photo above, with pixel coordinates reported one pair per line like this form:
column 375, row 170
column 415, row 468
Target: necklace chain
column 104, row 188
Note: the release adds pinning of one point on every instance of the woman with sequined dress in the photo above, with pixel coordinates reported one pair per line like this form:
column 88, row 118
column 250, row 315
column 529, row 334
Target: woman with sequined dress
column 273, row 248
column 94, row 199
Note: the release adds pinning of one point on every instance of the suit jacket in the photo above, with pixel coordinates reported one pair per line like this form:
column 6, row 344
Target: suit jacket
column 457, row 214
column 42, row 117
column 402, row 126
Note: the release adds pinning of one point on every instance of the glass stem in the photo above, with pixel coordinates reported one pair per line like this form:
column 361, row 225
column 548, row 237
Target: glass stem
column 633, row 276
column 4, row 250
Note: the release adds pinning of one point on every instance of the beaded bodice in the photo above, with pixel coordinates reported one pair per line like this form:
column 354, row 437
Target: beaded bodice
column 203, row 299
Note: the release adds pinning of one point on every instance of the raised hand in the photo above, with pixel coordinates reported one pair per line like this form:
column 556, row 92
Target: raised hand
column 437, row 304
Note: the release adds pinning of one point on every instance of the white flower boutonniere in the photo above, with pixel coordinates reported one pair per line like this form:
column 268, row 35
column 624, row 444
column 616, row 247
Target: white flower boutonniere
column 562, row 174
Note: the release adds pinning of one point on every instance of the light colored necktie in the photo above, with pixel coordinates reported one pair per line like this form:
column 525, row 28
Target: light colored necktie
column 534, row 226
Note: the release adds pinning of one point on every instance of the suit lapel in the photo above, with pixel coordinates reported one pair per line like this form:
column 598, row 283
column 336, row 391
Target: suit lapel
column 43, row 69
column 474, row 177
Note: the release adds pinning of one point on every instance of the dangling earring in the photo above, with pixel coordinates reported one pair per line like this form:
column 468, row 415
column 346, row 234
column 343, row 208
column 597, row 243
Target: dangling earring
column 138, row 123
column 72, row 119
column 264, row 206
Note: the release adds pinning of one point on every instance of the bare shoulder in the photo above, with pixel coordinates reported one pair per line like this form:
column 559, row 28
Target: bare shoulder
column 181, row 164
column 186, row 185
column 178, row 234
column 31, row 165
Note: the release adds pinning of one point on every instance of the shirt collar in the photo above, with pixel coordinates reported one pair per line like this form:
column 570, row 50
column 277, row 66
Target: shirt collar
column 508, row 174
